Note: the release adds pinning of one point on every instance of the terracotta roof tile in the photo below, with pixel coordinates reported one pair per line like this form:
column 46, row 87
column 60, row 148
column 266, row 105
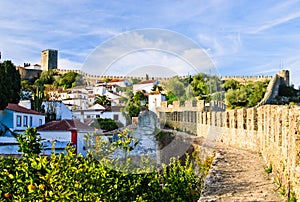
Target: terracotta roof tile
column 65, row 125
column 18, row 108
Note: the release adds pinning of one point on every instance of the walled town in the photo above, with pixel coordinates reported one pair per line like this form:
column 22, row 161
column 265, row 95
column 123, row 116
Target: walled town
column 66, row 105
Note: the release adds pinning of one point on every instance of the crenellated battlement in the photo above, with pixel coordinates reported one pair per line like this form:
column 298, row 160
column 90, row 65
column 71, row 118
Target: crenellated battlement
column 271, row 130
column 245, row 79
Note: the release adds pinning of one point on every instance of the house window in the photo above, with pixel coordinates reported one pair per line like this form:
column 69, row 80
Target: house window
column 19, row 120
column 25, row 121
column 40, row 122
column 30, row 121
column 88, row 116
column 116, row 117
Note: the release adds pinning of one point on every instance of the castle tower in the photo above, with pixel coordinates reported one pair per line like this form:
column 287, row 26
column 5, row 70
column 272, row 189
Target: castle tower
column 285, row 74
column 49, row 59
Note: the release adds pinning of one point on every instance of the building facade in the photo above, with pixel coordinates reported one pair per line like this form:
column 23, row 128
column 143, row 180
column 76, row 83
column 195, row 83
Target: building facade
column 49, row 59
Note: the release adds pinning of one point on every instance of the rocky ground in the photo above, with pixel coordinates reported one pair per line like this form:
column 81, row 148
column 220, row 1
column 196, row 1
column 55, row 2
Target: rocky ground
column 238, row 175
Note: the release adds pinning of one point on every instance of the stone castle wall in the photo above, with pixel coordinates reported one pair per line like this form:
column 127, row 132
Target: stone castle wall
column 94, row 78
column 272, row 130
column 245, row 79
column 29, row 74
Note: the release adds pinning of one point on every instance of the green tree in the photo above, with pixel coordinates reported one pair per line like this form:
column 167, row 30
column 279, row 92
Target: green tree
column 134, row 104
column 175, row 89
column 38, row 96
column 10, row 84
column 157, row 88
column 200, row 87
column 231, row 84
column 68, row 79
column 256, row 92
column 102, row 100
column 30, row 142
column 47, row 77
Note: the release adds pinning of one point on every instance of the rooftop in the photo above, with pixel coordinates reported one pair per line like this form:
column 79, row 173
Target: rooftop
column 65, row 125
column 18, row 108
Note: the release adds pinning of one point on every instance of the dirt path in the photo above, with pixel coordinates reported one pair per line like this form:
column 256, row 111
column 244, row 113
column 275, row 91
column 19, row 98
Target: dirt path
column 238, row 175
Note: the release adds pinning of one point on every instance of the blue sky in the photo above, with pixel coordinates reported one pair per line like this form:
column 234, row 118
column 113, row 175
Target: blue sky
column 242, row 37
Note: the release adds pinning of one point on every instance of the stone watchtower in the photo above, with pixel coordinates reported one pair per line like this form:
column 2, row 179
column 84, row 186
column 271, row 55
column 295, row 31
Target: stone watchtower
column 49, row 59
column 285, row 75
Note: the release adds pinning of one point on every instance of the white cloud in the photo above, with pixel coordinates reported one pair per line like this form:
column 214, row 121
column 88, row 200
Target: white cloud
column 64, row 63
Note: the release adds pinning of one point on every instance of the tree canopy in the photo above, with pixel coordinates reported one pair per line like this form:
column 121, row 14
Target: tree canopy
column 134, row 104
column 68, row 79
column 248, row 95
column 102, row 100
column 10, row 84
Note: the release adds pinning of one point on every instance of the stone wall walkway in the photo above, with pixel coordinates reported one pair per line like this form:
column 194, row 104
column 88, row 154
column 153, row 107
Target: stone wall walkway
column 238, row 175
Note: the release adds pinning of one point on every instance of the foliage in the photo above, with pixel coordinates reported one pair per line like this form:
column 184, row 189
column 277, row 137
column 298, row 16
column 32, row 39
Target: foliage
column 68, row 79
column 38, row 96
column 157, row 88
column 102, row 100
column 200, row 87
column 105, row 124
column 29, row 142
column 10, row 84
column 134, row 104
column 269, row 169
column 175, row 89
column 47, row 77
column 71, row 177
column 231, row 84
column 287, row 91
column 248, row 95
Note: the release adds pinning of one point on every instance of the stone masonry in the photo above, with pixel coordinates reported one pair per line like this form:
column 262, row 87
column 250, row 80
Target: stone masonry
column 272, row 130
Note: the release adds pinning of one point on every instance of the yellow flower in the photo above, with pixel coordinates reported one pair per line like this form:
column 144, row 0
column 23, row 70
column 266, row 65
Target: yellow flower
column 30, row 188
column 41, row 186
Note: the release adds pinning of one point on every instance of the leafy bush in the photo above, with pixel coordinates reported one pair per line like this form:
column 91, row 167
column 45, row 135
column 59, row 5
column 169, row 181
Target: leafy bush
column 71, row 177
column 105, row 124
column 249, row 95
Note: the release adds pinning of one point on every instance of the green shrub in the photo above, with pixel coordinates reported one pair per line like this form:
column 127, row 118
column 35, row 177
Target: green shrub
column 105, row 124
column 71, row 177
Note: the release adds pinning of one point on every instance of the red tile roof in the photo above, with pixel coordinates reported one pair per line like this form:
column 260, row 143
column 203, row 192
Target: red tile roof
column 65, row 125
column 18, row 108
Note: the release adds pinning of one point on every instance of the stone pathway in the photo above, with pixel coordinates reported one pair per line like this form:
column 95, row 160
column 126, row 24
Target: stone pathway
column 238, row 175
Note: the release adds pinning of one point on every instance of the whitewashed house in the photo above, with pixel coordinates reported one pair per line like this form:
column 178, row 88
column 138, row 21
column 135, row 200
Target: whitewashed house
column 18, row 118
column 98, row 111
column 145, row 86
column 114, row 113
column 120, row 82
column 57, row 110
column 91, row 113
column 65, row 132
column 154, row 100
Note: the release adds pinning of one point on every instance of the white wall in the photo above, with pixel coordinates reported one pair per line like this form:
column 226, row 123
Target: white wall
column 11, row 147
column 110, row 115
column 63, row 136
column 154, row 101
column 81, row 142
column 37, row 120
column 147, row 87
